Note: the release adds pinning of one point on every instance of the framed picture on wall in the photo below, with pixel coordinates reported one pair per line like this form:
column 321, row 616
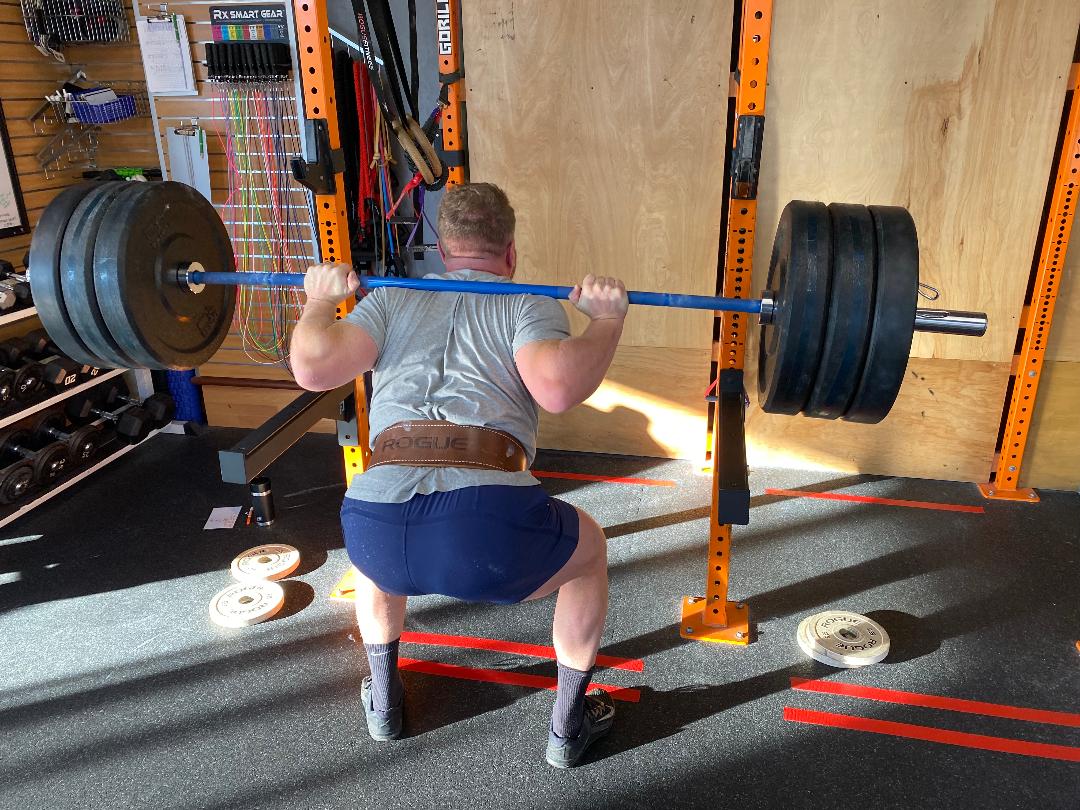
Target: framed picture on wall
column 13, row 221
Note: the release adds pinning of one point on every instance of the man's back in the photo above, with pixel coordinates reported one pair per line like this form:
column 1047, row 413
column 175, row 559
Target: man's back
column 450, row 357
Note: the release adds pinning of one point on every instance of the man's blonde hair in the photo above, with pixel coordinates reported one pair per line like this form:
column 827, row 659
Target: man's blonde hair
column 477, row 216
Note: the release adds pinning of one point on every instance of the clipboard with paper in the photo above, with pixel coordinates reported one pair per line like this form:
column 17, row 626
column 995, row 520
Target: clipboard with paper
column 166, row 55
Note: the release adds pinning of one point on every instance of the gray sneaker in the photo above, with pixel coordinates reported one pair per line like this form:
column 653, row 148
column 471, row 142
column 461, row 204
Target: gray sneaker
column 382, row 726
column 565, row 752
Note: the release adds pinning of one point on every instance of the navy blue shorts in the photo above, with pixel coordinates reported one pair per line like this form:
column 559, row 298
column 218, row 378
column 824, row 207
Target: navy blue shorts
column 481, row 544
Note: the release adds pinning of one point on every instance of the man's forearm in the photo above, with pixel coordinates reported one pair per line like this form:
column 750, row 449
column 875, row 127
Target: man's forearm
column 583, row 360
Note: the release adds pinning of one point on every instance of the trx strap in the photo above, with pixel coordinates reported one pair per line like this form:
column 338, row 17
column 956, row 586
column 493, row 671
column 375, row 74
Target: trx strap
column 388, row 78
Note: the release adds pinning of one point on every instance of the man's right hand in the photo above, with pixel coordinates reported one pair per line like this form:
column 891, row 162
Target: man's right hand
column 332, row 283
column 601, row 298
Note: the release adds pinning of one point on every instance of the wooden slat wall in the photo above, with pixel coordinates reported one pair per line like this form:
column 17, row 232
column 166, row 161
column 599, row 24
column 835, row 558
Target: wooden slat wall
column 225, row 405
column 26, row 76
column 950, row 109
column 606, row 128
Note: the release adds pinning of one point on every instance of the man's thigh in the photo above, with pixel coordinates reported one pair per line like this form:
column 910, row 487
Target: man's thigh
column 589, row 556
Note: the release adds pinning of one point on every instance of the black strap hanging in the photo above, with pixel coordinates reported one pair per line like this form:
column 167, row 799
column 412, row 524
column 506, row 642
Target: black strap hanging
column 386, row 91
column 382, row 26
column 388, row 77
column 414, row 64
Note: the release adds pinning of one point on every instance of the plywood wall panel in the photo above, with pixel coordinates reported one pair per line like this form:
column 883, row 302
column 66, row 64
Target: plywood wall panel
column 1052, row 455
column 944, row 425
column 606, row 128
column 652, row 403
column 949, row 109
column 251, row 407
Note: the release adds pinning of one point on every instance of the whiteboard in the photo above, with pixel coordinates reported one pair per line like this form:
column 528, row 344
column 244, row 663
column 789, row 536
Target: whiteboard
column 13, row 221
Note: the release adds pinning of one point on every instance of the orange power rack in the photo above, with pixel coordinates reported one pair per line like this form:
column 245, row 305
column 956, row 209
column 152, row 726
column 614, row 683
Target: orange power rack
column 1038, row 312
column 316, row 69
column 452, row 74
column 713, row 617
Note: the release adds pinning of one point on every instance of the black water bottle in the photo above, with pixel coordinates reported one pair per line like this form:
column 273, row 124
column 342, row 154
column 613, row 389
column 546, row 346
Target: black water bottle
column 262, row 501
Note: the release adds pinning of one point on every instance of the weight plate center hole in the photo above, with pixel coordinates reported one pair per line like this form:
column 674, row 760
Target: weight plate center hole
column 246, row 600
column 175, row 254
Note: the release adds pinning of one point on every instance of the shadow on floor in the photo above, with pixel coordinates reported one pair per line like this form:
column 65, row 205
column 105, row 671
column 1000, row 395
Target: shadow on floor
column 687, row 515
column 155, row 532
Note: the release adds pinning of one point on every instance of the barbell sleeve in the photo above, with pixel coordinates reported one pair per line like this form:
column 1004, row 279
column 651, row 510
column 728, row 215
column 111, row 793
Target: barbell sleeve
column 950, row 322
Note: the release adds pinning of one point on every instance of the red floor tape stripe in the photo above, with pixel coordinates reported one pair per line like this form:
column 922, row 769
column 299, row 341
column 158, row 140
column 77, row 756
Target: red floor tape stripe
column 938, row 702
column 535, row 650
column 511, row 678
column 930, row 734
column 836, row 496
column 649, row 482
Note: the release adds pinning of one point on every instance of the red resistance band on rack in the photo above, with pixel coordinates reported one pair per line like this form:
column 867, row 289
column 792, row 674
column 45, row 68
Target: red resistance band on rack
column 365, row 113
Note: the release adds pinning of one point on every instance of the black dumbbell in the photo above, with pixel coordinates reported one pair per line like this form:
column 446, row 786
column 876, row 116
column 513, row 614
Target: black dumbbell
column 22, row 380
column 161, row 407
column 8, row 299
column 59, row 373
column 49, row 462
column 132, row 424
column 15, row 480
column 56, row 372
column 14, row 283
column 82, row 442
column 11, row 352
column 6, row 390
column 39, row 345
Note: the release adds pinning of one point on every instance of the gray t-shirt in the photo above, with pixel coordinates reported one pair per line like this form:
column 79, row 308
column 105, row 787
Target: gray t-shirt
column 450, row 356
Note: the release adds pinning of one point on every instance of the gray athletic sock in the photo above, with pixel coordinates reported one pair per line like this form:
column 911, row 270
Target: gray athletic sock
column 387, row 689
column 569, row 711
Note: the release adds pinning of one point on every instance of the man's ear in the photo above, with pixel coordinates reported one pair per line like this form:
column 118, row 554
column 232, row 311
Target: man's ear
column 511, row 256
column 442, row 250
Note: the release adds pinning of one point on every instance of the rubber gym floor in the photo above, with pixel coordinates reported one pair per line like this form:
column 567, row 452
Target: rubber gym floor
column 117, row 691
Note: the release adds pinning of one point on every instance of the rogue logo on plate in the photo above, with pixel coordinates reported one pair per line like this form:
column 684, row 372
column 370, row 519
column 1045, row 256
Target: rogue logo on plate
column 266, row 563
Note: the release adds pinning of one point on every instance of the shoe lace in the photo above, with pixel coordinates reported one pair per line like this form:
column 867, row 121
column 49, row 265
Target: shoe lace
column 595, row 708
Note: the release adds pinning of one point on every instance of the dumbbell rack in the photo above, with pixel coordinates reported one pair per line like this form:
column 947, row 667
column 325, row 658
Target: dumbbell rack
column 141, row 386
column 70, row 482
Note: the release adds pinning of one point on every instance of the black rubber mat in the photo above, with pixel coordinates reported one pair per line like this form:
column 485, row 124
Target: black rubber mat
column 117, row 691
